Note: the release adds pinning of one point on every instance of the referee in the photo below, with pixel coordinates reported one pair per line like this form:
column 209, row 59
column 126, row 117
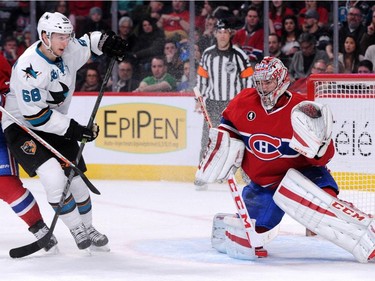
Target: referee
column 223, row 71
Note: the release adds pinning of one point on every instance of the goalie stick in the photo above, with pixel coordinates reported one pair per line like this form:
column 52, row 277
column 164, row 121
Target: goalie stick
column 52, row 149
column 252, row 236
column 41, row 243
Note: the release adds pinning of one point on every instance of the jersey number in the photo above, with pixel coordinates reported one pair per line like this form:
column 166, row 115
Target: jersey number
column 31, row 96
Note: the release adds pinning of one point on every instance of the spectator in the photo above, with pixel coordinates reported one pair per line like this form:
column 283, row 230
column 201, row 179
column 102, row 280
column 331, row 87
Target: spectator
column 92, row 81
column 24, row 41
column 19, row 19
column 94, row 22
column 153, row 10
column 368, row 38
column 176, row 24
column 125, row 26
column 150, row 43
column 311, row 26
column 79, row 10
column 185, row 84
column 278, row 10
column 370, row 54
column 172, row 57
column 365, row 66
column 62, row 8
column 126, row 82
column 351, row 56
column 208, row 37
column 352, row 26
column 10, row 50
column 250, row 37
column 126, row 7
column 300, row 85
column 224, row 71
column 303, row 60
column 331, row 68
column 208, row 9
column 320, row 66
column 289, row 36
column 160, row 80
column 274, row 48
column 316, row 6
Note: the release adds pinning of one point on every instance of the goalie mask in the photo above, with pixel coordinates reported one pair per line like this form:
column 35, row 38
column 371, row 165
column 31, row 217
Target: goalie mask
column 54, row 23
column 271, row 81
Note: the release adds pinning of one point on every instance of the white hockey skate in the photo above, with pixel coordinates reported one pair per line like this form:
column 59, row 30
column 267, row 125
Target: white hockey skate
column 99, row 242
column 81, row 237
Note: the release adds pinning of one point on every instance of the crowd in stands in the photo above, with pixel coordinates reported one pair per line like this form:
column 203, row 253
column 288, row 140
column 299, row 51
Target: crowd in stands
column 157, row 32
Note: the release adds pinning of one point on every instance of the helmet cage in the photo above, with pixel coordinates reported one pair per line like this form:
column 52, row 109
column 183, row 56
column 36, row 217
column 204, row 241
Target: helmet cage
column 271, row 69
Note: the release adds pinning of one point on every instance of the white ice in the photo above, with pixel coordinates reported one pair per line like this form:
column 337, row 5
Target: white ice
column 160, row 231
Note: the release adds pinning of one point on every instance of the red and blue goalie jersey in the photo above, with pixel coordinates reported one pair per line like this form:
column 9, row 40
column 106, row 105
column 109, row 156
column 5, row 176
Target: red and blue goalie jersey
column 266, row 136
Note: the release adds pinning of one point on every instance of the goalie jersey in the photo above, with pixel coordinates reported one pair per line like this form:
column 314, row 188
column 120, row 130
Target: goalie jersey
column 266, row 136
column 41, row 89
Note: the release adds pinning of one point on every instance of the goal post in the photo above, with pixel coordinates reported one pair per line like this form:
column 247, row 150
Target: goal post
column 351, row 98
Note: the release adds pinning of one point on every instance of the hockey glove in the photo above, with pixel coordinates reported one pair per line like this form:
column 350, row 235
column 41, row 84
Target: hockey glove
column 78, row 132
column 112, row 45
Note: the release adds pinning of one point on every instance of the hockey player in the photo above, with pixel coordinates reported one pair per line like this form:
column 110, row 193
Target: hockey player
column 20, row 199
column 41, row 88
column 286, row 143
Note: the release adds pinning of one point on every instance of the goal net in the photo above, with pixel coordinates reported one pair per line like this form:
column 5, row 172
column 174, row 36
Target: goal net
column 351, row 98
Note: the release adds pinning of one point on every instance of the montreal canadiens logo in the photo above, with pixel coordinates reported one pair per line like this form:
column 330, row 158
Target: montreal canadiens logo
column 265, row 147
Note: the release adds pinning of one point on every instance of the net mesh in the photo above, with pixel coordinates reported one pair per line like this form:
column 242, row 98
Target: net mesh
column 352, row 101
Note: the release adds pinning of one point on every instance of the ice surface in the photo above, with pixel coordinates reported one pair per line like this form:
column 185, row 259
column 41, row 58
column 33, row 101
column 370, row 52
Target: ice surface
column 160, row 231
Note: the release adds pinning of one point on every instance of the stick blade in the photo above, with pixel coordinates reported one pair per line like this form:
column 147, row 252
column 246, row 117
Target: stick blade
column 29, row 249
column 24, row 251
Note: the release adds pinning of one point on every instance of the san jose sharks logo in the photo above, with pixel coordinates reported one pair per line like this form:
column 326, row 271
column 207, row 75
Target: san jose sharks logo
column 29, row 147
column 59, row 96
column 30, row 72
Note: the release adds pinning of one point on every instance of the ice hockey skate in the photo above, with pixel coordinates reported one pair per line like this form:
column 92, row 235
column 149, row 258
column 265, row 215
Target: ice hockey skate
column 99, row 242
column 39, row 230
column 81, row 237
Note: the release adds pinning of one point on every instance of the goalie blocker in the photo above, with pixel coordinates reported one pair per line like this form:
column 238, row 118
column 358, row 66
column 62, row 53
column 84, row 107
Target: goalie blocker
column 337, row 221
column 222, row 159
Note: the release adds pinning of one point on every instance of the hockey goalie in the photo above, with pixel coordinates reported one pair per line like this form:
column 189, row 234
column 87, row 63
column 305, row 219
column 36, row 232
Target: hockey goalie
column 283, row 144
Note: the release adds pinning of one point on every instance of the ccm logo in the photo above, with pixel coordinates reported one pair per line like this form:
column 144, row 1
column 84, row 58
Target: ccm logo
column 348, row 211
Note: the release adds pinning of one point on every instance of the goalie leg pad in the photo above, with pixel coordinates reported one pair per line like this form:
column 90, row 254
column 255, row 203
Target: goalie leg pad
column 222, row 159
column 335, row 220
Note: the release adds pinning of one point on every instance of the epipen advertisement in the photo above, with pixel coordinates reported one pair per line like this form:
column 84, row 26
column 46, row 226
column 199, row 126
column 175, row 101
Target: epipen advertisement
column 142, row 130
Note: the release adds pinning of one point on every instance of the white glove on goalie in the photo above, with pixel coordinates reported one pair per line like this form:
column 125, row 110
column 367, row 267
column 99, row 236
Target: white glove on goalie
column 312, row 128
column 223, row 157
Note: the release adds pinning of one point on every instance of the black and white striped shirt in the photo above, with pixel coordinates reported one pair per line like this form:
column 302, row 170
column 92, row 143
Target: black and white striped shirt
column 223, row 74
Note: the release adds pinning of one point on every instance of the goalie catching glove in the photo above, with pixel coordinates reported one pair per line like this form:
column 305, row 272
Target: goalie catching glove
column 79, row 133
column 223, row 157
column 312, row 129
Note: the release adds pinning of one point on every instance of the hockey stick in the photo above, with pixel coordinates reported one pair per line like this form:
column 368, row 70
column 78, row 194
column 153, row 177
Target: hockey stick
column 52, row 149
column 41, row 243
column 253, row 237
